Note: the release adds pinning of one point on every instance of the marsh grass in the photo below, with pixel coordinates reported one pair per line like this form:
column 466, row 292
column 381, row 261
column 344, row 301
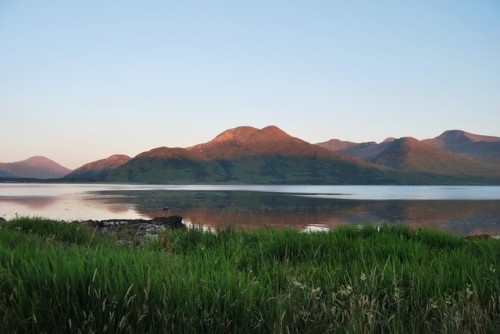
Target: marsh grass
column 60, row 278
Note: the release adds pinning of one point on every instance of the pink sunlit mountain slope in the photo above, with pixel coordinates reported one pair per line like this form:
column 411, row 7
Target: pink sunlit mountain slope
column 98, row 168
column 35, row 167
column 484, row 148
column 250, row 141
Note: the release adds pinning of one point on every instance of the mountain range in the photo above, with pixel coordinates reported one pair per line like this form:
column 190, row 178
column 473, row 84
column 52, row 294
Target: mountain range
column 271, row 156
column 450, row 153
column 241, row 155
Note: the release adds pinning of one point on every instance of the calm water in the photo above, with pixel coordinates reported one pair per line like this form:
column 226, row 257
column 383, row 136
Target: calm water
column 462, row 210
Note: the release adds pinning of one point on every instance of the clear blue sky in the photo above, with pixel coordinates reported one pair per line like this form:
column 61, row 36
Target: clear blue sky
column 81, row 80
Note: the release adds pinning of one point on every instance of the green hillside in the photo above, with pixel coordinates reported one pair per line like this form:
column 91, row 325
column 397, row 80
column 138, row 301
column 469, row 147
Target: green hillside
column 275, row 170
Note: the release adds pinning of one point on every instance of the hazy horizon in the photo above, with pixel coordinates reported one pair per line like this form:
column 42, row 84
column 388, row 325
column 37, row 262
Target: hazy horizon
column 80, row 81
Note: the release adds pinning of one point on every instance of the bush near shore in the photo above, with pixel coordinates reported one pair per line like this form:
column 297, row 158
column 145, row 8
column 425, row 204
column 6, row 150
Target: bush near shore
column 58, row 277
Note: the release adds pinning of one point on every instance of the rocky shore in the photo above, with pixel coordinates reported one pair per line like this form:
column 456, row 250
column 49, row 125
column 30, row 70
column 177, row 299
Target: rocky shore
column 134, row 231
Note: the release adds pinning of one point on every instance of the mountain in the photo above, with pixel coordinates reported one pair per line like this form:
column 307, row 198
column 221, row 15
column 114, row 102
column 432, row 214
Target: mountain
column 248, row 141
column 454, row 138
column 336, row 145
column 411, row 154
column 484, row 148
column 244, row 141
column 35, row 167
column 366, row 151
column 98, row 169
column 454, row 156
column 248, row 155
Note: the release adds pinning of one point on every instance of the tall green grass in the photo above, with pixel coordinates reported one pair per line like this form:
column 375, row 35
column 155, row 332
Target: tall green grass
column 374, row 279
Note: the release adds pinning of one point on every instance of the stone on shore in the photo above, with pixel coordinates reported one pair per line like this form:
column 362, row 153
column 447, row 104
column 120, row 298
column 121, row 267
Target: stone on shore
column 170, row 222
column 135, row 231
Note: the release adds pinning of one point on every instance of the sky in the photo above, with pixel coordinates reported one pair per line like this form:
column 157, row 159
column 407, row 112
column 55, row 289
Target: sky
column 82, row 80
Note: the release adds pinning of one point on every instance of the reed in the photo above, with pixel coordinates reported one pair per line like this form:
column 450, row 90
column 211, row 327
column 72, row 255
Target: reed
column 370, row 279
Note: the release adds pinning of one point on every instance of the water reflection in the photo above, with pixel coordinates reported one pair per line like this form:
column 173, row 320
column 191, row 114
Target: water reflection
column 303, row 207
column 251, row 210
column 32, row 202
column 65, row 207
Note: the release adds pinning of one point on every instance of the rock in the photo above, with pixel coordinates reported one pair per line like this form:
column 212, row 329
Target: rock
column 121, row 222
column 172, row 222
column 134, row 231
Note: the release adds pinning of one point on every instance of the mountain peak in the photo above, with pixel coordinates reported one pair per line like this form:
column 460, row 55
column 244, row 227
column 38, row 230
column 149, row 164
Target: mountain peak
column 484, row 148
column 38, row 167
column 335, row 145
column 238, row 134
column 250, row 141
column 115, row 157
column 39, row 161
column 273, row 130
column 406, row 141
column 269, row 133
column 241, row 135
column 453, row 138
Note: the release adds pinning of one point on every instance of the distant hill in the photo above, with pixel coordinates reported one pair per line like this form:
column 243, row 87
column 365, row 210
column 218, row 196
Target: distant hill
column 453, row 138
column 484, row 148
column 97, row 170
column 366, row 151
column 413, row 155
column 336, row 145
column 35, row 167
column 455, row 154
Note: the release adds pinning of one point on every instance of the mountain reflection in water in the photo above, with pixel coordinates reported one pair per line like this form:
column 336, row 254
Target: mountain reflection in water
column 461, row 210
column 250, row 210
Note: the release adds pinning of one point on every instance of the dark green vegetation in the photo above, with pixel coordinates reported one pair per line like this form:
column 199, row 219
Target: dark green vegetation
column 253, row 170
column 61, row 278
column 271, row 170
column 277, row 170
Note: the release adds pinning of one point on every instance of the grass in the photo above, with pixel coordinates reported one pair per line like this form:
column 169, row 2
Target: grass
column 57, row 277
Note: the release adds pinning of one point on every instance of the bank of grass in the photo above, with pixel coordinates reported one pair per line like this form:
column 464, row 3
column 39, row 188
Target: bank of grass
column 64, row 278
